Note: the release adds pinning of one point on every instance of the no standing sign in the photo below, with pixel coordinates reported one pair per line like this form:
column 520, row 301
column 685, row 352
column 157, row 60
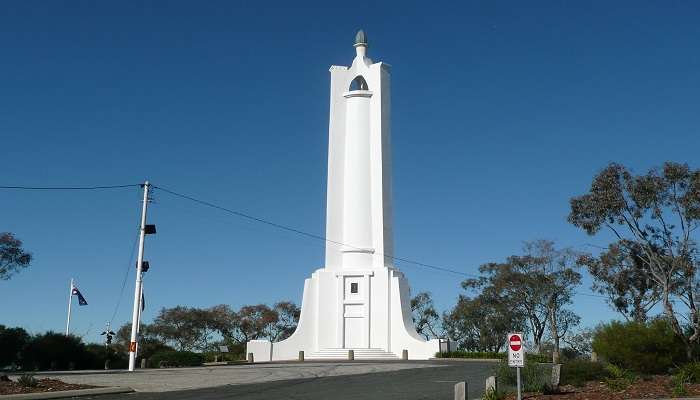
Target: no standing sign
column 516, row 350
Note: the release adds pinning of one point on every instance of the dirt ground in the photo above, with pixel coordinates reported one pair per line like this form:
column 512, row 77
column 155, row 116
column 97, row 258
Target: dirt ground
column 653, row 387
column 43, row 385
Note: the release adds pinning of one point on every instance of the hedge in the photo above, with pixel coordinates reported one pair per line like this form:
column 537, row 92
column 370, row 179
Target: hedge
column 175, row 359
column 532, row 357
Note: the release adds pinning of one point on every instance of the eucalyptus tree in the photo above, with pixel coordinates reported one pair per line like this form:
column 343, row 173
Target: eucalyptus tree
column 653, row 217
column 481, row 323
column 622, row 276
column 426, row 319
column 13, row 258
column 538, row 284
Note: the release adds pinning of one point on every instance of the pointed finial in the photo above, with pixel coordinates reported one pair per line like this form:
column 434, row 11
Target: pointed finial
column 361, row 39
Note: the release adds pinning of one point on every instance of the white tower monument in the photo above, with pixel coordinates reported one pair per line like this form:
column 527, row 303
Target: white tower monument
column 359, row 301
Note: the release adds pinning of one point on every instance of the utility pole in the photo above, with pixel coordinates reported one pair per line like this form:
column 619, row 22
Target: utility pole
column 138, row 321
column 139, row 280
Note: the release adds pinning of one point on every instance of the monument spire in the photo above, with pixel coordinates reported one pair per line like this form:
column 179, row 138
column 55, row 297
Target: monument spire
column 361, row 43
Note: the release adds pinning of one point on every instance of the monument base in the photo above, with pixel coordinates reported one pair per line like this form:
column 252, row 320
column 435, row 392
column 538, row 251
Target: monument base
column 367, row 311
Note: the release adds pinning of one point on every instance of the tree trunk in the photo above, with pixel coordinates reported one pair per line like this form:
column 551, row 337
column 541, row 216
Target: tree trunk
column 555, row 335
column 689, row 351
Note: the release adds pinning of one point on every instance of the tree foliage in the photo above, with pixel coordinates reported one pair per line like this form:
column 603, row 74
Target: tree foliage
column 652, row 217
column 12, row 343
column 202, row 329
column 538, row 285
column 621, row 275
column 641, row 347
column 53, row 350
column 13, row 257
column 481, row 323
column 425, row 317
column 149, row 342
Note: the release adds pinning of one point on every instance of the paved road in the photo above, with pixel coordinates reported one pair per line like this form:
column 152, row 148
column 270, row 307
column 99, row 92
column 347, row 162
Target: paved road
column 173, row 379
column 404, row 384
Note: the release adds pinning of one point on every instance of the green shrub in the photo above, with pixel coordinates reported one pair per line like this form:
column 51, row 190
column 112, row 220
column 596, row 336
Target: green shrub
column 691, row 371
column 98, row 354
column 55, row 351
column 538, row 358
column 12, row 343
column 679, row 382
column 643, row 348
column 176, row 359
column 27, row 380
column 534, row 376
column 619, row 378
column 578, row 372
column 472, row 354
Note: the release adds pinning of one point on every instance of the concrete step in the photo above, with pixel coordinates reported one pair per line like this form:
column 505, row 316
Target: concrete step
column 360, row 354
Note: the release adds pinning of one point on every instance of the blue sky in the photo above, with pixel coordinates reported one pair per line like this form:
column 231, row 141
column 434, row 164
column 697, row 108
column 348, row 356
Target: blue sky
column 502, row 111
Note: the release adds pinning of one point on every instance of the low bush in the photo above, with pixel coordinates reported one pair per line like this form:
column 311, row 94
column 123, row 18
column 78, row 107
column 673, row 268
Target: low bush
column 54, row 351
column 12, row 343
column 578, row 372
column 691, row 371
column 27, row 380
column 650, row 348
column 98, row 354
column 619, row 378
column 538, row 358
column 678, row 384
column 175, row 359
column 534, row 377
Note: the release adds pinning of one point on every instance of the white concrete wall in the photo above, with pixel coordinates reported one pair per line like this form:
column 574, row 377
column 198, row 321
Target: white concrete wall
column 352, row 119
column 403, row 332
column 261, row 350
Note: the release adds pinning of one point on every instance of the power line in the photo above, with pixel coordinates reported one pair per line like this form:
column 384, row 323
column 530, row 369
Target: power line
column 69, row 187
column 307, row 234
column 324, row 239
column 126, row 275
column 249, row 217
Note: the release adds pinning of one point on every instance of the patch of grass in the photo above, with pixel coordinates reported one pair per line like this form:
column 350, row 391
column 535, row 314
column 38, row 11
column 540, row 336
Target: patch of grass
column 691, row 371
column 27, row 380
column 679, row 382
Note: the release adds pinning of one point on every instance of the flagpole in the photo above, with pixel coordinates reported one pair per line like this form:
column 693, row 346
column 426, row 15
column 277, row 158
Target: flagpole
column 139, row 278
column 70, row 301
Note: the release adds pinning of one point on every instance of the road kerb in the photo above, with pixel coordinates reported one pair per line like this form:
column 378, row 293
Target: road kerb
column 67, row 393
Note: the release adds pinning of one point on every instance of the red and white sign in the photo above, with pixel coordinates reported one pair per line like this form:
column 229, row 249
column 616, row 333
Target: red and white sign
column 515, row 342
column 516, row 350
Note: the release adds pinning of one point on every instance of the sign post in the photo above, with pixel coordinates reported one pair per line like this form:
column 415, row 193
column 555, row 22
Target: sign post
column 516, row 355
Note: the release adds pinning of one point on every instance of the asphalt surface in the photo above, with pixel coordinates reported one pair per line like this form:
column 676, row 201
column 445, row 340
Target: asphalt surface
column 408, row 384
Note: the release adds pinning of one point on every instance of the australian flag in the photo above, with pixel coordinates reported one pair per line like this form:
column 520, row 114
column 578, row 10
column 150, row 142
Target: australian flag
column 81, row 299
